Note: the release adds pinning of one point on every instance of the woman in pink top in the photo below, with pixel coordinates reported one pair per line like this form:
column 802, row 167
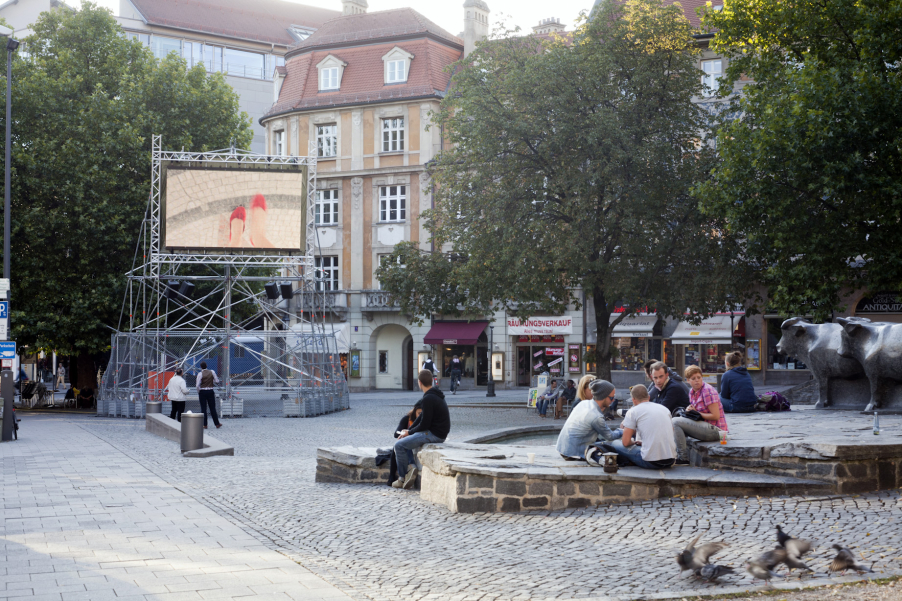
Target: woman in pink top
column 706, row 401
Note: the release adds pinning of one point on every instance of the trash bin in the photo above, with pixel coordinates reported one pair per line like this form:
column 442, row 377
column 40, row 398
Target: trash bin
column 154, row 407
column 192, row 431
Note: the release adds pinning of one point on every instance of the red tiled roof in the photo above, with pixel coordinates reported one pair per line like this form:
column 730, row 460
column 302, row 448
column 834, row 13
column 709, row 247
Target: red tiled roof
column 689, row 7
column 363, row 79
column 351, row 29
column 260, row 20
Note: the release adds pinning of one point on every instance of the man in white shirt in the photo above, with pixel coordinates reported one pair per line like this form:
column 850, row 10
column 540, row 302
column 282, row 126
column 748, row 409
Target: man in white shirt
column 206, row 379
column 178, row 394
column 654, row 446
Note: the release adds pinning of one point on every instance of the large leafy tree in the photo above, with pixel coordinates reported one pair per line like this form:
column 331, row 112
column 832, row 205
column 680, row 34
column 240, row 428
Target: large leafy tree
column 811, row 169
column 86, row 103
column 569, row 167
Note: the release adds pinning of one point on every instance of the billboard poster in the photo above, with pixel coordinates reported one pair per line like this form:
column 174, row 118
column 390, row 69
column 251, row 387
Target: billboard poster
column 234, row 210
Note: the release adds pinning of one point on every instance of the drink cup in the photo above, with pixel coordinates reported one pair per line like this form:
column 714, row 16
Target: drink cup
column 530, row 458
column 723, row 437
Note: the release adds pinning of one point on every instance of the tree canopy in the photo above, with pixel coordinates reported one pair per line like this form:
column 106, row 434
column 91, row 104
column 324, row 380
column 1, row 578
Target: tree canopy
column 811, row 170
column 86, row 102
column 569, row 166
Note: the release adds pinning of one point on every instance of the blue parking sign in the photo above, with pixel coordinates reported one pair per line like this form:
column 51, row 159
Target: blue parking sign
column 7, row 350
column 4, row 309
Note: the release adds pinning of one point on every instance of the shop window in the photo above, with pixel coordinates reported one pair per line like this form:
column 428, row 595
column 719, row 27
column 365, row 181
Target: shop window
column 661, row 350
column 591, row 367
column 776, row 360
column 383, row 362
column 628, row 354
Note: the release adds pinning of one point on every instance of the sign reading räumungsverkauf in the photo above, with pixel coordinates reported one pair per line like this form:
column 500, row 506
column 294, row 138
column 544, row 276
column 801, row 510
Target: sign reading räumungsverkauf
column 539, row 326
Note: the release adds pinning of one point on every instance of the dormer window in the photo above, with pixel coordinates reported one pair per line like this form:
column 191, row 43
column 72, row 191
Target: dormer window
column 330, row 69
column 397, row 65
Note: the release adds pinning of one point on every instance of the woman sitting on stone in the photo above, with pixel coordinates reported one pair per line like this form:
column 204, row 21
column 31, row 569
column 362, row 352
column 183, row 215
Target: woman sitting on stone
column 406, row 423
column 737, row 393
column 704, row 399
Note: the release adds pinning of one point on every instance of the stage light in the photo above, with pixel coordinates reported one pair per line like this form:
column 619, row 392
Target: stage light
column 286, row 289
column 272, row 291
column 172, row 287
column 186, row 290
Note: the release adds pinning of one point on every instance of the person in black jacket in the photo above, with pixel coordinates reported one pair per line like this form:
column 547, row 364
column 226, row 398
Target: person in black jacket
column 652, row 390
column 432, row 427
column 408, row 421
column 671, row 394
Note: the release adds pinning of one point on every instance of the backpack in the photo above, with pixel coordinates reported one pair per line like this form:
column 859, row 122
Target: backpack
column 429, row 366
column 773, row 401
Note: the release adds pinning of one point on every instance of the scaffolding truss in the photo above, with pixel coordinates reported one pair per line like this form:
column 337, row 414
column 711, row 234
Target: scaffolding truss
column 274, row 357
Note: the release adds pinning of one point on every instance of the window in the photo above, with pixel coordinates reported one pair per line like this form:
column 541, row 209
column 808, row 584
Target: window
column 326, row 140
column 193, row 53
column 279, row 143
column 713, row 71
column 327, row 207
column 162, row 46
column 144, row 38
column 328, row 79
column 239, row 352
column 397, row 71
column 383, row 362
column 383, row 260
column 393, row 134
column 327, row 273
column 392, row 203
column 244, row 64
column 213, row 58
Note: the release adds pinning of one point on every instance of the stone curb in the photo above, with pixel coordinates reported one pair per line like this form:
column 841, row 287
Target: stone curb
column 162, row 426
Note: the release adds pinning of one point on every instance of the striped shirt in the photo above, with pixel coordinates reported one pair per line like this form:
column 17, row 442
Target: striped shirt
column 706, row 397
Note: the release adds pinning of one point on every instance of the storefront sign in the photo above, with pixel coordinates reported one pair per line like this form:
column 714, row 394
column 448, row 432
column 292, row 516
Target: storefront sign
column 556, row 361
column 537, row 354
column 537, row 366
column 574, row 354
column 885, row 302
column 555, row 351
column 449, row 341
column 753, row 354
column 540, row 326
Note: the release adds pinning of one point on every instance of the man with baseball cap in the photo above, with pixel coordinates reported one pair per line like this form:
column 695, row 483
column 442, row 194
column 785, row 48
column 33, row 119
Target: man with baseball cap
column 586, row 424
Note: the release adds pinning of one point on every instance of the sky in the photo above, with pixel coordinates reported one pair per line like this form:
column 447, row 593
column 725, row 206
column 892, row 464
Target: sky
column 448, row 14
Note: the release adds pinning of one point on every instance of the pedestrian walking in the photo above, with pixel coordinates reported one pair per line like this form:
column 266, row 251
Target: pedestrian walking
column 206, row 379
column 60, row 376
column 178, row 395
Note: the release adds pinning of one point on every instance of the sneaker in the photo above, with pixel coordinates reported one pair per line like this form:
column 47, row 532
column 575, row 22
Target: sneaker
column 681, row 462
column 399, row 483
column 592, row 456
column 411, row 478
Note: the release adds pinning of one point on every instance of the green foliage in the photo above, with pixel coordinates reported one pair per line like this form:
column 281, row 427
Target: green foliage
column 811, row 173
column 570, row 166
column 86, row 103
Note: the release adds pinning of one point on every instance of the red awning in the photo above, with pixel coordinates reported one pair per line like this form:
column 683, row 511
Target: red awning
column 455, row 332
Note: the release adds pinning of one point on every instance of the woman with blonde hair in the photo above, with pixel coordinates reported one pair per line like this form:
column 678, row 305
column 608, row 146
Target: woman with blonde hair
column 583, row 393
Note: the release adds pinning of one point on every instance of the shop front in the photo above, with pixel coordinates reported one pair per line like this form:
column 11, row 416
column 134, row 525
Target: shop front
column 541, row 347
column 707, row 344
column 465, row 340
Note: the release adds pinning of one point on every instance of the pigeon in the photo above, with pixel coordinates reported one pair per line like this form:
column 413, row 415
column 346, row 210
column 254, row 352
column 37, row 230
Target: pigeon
column 711, row 572
column 761, row 572
column 763, row 566
column 692, row 558
column 795, row 549
column 845, row 560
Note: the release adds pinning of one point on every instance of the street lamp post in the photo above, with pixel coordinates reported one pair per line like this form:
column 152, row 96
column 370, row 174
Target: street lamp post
column 490, row 388
column 7, row 389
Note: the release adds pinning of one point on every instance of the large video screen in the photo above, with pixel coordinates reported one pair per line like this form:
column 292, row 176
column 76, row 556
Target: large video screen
column 240, row 210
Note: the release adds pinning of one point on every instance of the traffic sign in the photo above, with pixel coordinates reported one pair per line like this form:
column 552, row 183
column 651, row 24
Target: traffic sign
column 8, row 350
column 4, row 284
column 4, row 310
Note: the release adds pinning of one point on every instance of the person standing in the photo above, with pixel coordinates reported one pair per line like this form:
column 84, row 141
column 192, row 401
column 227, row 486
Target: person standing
column 455, row 370
column 178, row 395
column 431, row 427
column 60, row 376
column 737, row 393
column 206, row 379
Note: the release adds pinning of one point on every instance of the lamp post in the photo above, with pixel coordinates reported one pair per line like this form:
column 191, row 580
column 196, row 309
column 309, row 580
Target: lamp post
column 7, row 376
column 490, row 388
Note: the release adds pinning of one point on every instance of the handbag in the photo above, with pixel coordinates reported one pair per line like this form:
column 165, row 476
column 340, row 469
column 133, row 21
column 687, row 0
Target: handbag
column 688, row 413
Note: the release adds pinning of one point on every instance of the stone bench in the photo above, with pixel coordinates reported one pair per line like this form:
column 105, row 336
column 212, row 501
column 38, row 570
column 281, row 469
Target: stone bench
column 170, row 429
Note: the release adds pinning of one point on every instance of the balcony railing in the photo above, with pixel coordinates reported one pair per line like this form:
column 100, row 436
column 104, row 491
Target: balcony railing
column 379, row 300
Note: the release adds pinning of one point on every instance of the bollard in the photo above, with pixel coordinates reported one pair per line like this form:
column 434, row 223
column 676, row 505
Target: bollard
column 192, row 431
column 154, row 407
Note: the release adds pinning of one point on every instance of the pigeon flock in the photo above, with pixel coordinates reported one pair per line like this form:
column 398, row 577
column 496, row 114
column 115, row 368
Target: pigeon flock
column 788, row 551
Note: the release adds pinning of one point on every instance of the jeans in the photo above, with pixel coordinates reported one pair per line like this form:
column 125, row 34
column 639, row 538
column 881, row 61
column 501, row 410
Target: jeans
column 542, row 406
column 405, row 447
column 178, row 407
column 683, row 427
column 633, row 455
column 455, row 379
column 729, row 406
column 208, row 398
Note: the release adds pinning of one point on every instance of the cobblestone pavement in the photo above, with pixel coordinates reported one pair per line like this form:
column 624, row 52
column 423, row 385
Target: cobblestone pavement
column 378, row 543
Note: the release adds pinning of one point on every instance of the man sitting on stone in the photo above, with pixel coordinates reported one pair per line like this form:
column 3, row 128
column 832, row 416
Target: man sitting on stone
column 431, row 427
column 586, row 424
column 653, row 391
column 647, row 436
column 671, row 394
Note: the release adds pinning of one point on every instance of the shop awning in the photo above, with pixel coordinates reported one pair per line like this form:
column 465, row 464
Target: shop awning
column 635, row 326
column 455, row 332
column 342, row 333
column 713, row 330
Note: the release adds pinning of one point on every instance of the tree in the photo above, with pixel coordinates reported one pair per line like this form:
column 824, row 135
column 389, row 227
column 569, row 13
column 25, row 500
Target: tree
column 86, row 102
column 811, row 169
column 570, row 167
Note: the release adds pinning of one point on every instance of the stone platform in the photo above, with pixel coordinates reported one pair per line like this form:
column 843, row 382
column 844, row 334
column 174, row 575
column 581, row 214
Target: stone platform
column 803, row 452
